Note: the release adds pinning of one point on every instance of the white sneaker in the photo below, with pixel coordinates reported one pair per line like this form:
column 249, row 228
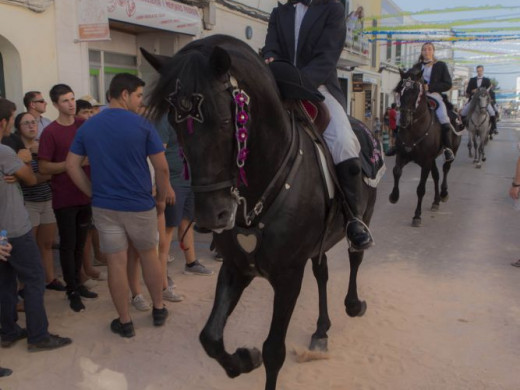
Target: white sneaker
column 102, row 276
column 170, row 295
column 171, row 258
column 171, row 283
column 140, row 303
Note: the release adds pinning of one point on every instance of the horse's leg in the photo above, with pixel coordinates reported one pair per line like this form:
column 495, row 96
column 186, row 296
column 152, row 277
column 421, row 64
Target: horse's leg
column 397, row 171
column 421, row 190
column 444, row 185
column 230, row 285
column 286, row 285
column 475, row 145
column 435, row 176
column 321, row 273
column 469, row 145
column 353, row 306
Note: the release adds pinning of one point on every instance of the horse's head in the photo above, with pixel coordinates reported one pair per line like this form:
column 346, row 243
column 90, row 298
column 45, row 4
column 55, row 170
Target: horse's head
column 410, row 90
column 482, row 99
column 199, row 91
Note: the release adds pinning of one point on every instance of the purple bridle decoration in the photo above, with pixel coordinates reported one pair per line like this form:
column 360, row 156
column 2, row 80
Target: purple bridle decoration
column 241, row 134
column 185, row 170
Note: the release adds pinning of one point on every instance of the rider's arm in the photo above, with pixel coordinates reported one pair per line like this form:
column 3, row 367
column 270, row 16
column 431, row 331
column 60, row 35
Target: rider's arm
column 444, row 83
column 272, row 41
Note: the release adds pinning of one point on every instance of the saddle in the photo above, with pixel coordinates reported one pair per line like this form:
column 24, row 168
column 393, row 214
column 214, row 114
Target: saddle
column 454, row 116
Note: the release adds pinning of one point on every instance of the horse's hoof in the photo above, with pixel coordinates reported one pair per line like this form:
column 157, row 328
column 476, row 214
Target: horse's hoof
column 250, row 358
column 479, row 165
column 475, row 161
column 393, row 198
column 416, row 222
column 356, row 309
column 483, row 158
column 445, row 197
column 319, row 344
column 435, row 207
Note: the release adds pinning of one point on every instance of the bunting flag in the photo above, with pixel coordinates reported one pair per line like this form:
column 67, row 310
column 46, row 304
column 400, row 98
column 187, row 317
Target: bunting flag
column 443, row 11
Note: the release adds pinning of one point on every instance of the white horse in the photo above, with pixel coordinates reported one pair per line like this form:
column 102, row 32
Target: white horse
column 478, row 125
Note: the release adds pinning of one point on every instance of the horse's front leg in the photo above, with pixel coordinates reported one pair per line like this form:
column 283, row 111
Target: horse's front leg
column 421, row 190
column 435, row 176
column 286, row 284
column 321, row 273
column 475, row 146
column 353, row 305
column 469, row 146
column 230, row 285
column 400, row 162
column 444, row 185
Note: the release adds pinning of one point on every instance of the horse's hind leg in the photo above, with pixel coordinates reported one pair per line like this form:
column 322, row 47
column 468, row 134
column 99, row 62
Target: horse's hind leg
column 321, row 273
column 230, row 285
column 475, row 146
column 421, row 190
column 286, row 284
column 353, row 306
column 469, row 146
column 437, row 197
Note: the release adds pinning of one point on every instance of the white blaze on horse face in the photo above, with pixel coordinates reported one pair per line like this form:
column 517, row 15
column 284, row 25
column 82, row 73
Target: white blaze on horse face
column 231, row 222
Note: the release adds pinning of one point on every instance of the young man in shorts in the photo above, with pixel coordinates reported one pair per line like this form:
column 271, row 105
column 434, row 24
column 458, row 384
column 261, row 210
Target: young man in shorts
column 117, row 142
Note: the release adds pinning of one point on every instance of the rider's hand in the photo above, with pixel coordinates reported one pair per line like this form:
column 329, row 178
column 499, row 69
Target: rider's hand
column 269, row 60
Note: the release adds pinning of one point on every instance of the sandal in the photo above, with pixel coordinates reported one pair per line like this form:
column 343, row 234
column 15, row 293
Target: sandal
column 516, row 263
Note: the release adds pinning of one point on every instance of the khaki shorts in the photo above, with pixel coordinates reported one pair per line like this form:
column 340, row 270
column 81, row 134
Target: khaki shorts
column 40, row 213
column 116, row 227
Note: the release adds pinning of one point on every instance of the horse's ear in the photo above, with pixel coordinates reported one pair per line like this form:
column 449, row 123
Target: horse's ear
column 157, row 61
column 219, row 61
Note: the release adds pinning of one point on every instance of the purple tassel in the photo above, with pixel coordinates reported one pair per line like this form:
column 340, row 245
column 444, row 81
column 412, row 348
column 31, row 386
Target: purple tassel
column 185, row 170
column 243, row 175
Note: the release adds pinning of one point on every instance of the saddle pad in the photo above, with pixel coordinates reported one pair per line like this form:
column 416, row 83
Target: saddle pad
column 371, row 156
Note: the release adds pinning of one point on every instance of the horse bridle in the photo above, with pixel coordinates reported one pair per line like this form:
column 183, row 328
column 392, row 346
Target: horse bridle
column 241, row 101
column 409, row 113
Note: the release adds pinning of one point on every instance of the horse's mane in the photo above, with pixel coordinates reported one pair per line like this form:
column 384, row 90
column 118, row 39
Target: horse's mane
column 191, row 65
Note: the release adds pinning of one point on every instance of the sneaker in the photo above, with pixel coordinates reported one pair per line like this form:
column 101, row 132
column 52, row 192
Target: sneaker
column 197, row 268
column 75, row 301
column 171, row 258
column 159, row 316
column 123, row 330
column 171, row 283
column 90, row 283
column 219, row 257
column 86, row 293
column 140, row 303
column 55, row 285
column 51, row 342
column 5, row 371
column 171, row 295
column 102, row 276
column 9, row 343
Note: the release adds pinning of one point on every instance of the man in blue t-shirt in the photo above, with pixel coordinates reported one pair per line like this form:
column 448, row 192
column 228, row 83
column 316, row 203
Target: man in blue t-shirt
column 117, row 143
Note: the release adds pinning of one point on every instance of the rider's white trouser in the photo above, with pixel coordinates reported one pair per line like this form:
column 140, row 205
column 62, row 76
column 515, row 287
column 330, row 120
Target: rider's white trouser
column 441, row 111
column 339, row 136
column 465, row 109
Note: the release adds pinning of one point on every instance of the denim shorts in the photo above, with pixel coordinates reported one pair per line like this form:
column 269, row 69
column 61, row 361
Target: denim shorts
column 183, row 208
column 116, row 227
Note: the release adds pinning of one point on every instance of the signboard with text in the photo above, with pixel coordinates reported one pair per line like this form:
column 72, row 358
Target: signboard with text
column 92, row 20
column 357, row 82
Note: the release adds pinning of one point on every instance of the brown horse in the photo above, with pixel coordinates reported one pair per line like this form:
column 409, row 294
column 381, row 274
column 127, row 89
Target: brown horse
column 419, row 140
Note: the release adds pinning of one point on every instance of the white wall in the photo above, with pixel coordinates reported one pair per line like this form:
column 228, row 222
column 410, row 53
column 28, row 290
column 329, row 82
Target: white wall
column 27, row 41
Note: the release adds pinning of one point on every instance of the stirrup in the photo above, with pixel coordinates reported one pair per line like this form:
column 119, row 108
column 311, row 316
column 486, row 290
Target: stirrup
column 352, row 248
column 449, row 156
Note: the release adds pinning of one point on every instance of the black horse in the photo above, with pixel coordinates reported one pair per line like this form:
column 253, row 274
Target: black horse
column 419, row 140
column 225, row 107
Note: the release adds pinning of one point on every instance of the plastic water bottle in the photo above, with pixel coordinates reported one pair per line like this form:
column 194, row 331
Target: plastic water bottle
column 3, row 238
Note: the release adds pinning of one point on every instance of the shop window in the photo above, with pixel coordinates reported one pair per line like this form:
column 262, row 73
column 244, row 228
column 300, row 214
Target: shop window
column 103, row 66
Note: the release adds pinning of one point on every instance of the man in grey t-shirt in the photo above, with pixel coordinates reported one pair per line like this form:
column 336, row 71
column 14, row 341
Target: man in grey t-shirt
column 24, row 261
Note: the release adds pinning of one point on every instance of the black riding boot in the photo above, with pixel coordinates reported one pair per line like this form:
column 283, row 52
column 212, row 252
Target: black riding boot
column 349, row 176
column 493, row 121
column 446, row 128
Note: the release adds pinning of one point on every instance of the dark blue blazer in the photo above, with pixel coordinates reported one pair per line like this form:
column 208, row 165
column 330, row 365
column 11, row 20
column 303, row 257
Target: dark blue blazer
column 320, row 43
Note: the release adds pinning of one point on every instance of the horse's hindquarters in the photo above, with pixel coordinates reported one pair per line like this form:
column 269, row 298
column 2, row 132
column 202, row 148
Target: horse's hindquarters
column 215, row 210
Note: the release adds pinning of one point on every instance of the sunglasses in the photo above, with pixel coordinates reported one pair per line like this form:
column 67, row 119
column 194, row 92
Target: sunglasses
column 39, row 101
column 27, row 123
